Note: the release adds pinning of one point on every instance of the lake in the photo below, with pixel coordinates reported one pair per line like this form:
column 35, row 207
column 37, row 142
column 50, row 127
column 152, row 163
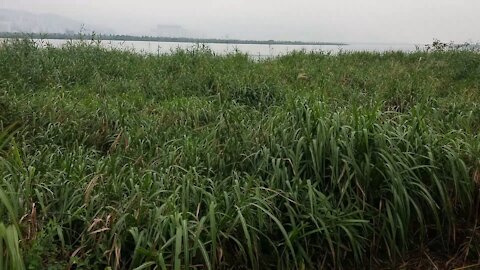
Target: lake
column 254, row 50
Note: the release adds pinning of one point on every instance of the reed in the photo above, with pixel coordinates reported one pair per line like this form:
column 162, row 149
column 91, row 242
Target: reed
column 191, row 160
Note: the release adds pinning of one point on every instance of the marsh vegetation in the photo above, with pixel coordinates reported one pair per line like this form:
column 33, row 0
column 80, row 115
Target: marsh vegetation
column 195, row 161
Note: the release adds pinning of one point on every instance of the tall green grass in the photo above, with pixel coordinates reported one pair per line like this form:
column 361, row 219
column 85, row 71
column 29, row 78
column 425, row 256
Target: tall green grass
column 11, row 255
column 192, row 160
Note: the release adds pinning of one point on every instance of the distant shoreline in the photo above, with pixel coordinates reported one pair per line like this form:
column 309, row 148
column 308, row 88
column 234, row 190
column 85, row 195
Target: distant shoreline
column 159, row 39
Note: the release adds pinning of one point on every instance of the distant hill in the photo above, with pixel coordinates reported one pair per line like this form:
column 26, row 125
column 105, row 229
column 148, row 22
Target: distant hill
column 22, row 21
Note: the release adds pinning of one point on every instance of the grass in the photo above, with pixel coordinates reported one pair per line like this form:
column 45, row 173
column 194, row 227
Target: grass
column 196, row 161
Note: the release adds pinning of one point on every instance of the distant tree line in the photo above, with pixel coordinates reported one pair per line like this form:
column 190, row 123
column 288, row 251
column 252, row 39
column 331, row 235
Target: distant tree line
column 94, row 36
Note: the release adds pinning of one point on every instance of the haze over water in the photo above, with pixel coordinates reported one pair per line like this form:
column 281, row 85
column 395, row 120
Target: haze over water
column 346, row 21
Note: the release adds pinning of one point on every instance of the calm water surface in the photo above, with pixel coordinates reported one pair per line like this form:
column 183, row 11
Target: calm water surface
column 254, row 50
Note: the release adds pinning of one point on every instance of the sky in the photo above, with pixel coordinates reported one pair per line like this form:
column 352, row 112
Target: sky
column 388, row 21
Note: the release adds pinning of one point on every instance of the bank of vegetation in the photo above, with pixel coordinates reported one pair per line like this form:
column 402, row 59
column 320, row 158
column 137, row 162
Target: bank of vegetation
column 108, row 37
column 195, row 161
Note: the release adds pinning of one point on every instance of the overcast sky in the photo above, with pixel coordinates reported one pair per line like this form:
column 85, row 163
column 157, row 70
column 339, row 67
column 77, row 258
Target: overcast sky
column 407, row 21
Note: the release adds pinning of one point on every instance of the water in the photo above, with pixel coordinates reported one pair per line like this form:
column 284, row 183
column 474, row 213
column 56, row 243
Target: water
column 254, row 50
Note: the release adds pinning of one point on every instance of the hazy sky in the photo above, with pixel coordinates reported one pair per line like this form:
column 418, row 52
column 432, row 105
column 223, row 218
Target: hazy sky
column 408, row 21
